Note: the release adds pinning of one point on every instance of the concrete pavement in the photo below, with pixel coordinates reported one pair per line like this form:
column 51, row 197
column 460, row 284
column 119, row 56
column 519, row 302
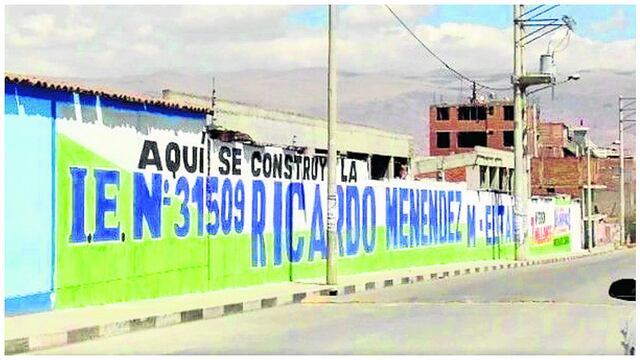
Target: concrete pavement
column 58, row 328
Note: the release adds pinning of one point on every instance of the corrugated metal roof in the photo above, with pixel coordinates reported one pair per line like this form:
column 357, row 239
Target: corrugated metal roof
column 108, row 93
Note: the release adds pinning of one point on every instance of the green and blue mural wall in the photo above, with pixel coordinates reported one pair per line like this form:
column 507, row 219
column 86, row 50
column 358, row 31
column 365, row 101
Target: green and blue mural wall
column 111, row 201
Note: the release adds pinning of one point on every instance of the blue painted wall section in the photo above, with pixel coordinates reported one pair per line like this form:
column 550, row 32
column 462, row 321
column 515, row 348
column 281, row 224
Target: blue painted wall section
column 29, row 154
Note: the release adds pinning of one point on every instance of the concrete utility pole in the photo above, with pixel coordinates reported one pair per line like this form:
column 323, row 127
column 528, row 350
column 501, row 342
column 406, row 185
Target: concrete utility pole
column 332, row 253
column 521, row 80
column 621, row 153
column 519, row 103
column 621, row 120
column 589, row 194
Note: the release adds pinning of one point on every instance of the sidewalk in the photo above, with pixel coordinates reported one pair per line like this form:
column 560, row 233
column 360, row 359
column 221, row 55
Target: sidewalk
column 60, row 327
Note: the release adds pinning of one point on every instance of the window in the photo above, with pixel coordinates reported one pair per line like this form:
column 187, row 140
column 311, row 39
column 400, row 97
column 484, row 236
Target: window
column 464, row 113
column 379, row 166
column 471, row 139
column 484, row 177
column 507, row 138
column 510, row 179
column 482, row 112
column 442, row 113
column 472, row 113
column 443, row 140
column 491, row 110
column 508, row 112
column 400, row 168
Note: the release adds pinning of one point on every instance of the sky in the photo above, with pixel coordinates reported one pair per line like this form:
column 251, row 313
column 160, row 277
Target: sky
column 95, row 41
column 597, row 22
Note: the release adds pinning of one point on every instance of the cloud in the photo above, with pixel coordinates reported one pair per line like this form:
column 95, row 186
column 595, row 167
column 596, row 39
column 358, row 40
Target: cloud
column 615, row 22
column 90, row 41
column 46, row 26
column 39, row 24
column 374, row 16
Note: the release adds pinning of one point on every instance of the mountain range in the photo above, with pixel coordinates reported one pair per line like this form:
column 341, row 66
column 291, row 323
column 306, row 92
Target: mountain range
column 390, row 100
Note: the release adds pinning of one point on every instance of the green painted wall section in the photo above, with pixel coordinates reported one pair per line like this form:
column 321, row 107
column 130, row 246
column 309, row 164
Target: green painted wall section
column 231, row 260
column 560, row 244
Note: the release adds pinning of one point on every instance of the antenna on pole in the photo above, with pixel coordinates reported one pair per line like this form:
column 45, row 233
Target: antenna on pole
column 210, row 121
column 213, row 92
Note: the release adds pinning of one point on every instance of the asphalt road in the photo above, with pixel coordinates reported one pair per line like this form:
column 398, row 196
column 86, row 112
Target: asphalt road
column 550, row 309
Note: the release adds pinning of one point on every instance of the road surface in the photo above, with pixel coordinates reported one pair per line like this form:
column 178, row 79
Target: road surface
column 549, row 309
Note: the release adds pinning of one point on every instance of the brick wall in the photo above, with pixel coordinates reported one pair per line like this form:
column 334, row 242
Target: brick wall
column 610, row 170
column 552, row 139
column 568, row 175
column 565, row 175
column 608, row 175
column 552, row 134
column 458, row 174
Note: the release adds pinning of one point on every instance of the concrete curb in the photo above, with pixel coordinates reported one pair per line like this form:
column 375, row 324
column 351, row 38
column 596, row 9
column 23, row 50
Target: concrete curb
column 45, row 341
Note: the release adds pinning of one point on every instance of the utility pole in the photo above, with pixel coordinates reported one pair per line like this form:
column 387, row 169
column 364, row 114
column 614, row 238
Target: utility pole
column 622, row 108
column 621, row 153
column 519, row 106
column 589, row 194
column 521, row 80
column 332, row 254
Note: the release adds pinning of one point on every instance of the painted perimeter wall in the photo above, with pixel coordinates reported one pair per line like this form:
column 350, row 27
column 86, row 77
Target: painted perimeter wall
column 110, row 201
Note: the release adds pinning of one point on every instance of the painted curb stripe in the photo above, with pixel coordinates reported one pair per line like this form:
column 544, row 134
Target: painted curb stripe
column 83, row 334
column 298, row 297
column 251, row 305
column 268, row 302
column 191, row 315
column 232, row 309
column 213, row 312
column 140, row 324
column 48, row 341
column 16, row 346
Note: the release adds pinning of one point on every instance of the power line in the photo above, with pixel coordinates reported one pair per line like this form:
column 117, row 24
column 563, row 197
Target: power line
column 447, row 66
column 531, row 10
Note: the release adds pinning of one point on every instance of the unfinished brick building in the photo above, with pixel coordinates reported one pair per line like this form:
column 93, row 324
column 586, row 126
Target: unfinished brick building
column 471, row 142
column 458, row 128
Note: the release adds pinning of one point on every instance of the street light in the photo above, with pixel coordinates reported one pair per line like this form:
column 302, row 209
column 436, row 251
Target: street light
column 575, row 76
column 571, row 77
